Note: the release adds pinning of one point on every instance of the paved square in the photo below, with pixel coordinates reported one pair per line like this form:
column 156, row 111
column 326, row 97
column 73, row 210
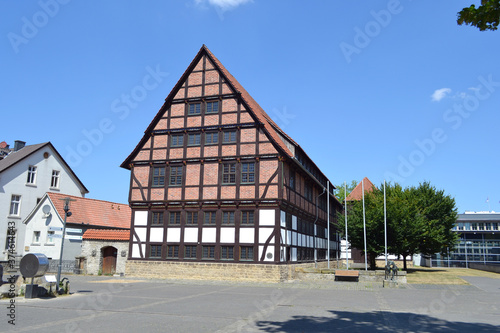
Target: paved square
column 109, row 304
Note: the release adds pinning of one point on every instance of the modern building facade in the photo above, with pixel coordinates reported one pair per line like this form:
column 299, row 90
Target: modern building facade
column 479, row 241
column 26, row 174
column 215, row 180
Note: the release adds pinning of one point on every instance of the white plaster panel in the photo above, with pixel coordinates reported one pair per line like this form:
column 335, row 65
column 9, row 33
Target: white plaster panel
column 227, row 235
column 294, row 254
column 269, row 250
column 264, row 234
column 191, row 235
column 208, row 235
column 174, row 235
column 247, row 235
column 141, row 217
column 294, row 222
column 283, row 236
column 266, row 217
column 140, row 234
column 282, row 253
column 283, row 219
column 288, row 237
column 156, row 235
column 136, row 253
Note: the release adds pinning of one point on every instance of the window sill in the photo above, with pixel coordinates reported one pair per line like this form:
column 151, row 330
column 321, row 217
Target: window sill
column 54, row 189
column 31, row 185
column 35, row 244
column 14, row 217
column 49, row 244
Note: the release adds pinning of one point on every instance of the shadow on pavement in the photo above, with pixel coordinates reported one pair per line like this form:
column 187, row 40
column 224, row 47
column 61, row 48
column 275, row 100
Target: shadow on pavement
column 380, row 321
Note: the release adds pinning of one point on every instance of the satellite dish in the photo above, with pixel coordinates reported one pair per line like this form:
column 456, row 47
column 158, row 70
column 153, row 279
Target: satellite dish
column 46, row 210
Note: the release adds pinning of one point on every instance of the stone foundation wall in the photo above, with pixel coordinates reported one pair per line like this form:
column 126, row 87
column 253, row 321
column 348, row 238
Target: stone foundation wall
column 216, row 271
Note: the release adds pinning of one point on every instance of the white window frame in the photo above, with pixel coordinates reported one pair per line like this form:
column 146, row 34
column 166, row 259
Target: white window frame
column 55, row 179
column 50, row 237
column 15, row 201
column 31, row 179
column 36, row 234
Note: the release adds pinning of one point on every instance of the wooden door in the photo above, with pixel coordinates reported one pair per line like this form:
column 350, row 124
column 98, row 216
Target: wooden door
column 109, row 255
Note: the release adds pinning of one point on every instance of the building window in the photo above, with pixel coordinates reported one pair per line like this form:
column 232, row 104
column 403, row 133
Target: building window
column 15, row 205
column 308, row 192
column 227, row 252
column 190, row 251
column 247, row 217
column 36, row 237
column 174, row 218
column 173, row 251
column 194, row 139
column 54, row 182
column 157, row 218
column 208, row 252
column 229, row 173
column 155, row 251
column 246, row 253
column 228, row 218
column 209, row 218
column 248, row 172
column 31, row 175
column 178, row 140
column 176, row 175
column 192, row 218
column 158, row 176
column 50, row 237
column 291, row 182
column 212, row 107
column 229, row 137
column 211, row 138
column 194, row 108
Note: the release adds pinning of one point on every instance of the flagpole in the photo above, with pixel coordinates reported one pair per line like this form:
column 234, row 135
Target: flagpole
column 346, row 239
column 364, row 223
column 385, row 225
column 328, row 218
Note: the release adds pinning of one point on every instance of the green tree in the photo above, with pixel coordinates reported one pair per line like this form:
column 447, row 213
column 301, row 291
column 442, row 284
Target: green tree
column 484, row 17
column 340, row 190
column 419, row 220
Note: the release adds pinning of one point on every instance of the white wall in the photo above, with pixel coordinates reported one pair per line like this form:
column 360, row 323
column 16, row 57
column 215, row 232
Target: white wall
column 13, row 181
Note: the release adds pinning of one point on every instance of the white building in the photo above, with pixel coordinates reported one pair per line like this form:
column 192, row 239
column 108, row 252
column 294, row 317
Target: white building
column 26, row 174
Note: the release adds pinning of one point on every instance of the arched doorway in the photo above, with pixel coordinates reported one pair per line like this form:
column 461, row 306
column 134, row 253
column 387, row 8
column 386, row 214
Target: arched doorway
column 109, row 255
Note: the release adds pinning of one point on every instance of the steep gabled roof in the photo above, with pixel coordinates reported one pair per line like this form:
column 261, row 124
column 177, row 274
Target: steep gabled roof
column 17, row 156
column 93, row 212
column 357, row 192
column 253, row 107
column 107, row 234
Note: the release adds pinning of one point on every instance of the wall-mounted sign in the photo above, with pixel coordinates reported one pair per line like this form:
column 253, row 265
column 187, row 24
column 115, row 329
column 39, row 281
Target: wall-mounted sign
column 55, row 228
column 73, row 230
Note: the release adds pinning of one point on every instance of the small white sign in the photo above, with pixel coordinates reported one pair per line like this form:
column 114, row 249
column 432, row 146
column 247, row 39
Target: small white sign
column 57, row 236
column 55, row 228
column 74, row 231
column 73, row 237
column 50, row 278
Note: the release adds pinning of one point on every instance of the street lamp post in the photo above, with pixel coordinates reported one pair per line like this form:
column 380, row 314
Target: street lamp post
column 67, row 214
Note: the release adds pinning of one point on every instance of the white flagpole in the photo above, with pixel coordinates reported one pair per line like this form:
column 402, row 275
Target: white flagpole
column 385, row 225
column 328, row 218
column 346, row 239
column 364, row 223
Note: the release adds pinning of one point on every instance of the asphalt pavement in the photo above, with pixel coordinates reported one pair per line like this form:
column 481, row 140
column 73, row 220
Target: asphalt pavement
column 114, row 304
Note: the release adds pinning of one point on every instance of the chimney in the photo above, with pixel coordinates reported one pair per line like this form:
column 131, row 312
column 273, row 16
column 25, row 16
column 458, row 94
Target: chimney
column 18, row 145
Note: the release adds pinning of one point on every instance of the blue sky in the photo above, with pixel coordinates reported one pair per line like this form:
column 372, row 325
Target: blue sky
column 390, row 90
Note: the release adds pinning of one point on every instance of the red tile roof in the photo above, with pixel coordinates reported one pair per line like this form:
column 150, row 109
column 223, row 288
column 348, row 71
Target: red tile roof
column 107, row 234
column 93, row 212
column 357, row 192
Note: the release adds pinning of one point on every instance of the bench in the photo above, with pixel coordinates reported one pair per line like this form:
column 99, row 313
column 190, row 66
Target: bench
column 344, row 274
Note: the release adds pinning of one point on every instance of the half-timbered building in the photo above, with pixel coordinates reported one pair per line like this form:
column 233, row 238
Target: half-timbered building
column 214, row 179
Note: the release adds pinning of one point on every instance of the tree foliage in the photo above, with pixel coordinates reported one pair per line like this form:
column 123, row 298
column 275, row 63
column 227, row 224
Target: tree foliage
column 340, row 190
column 484, row 17
column 419, row 220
